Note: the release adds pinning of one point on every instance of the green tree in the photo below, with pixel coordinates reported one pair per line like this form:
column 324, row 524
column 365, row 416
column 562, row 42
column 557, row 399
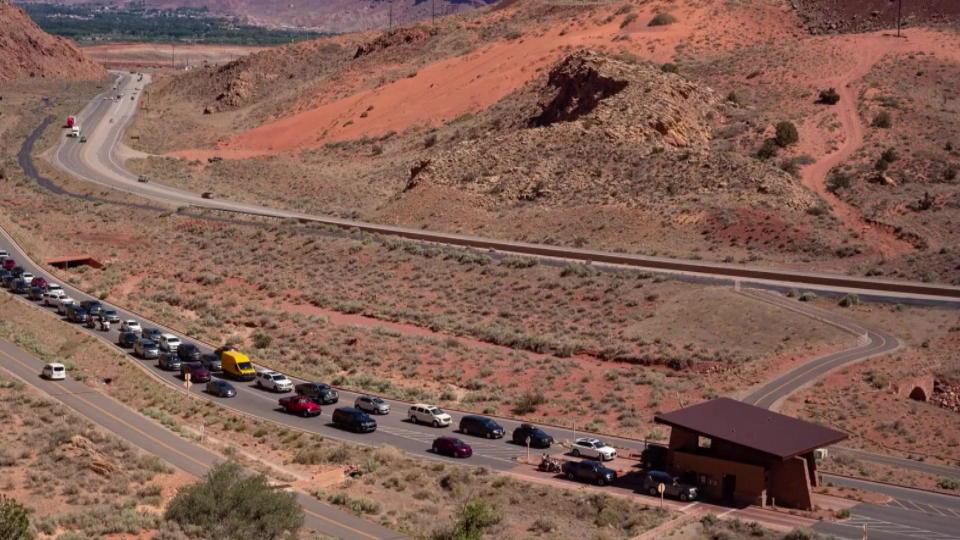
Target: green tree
column 14, row 520
column 475, row 517
column 229, row 503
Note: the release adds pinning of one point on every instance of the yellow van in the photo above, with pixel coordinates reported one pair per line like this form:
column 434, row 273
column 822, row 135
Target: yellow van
column 236, row 364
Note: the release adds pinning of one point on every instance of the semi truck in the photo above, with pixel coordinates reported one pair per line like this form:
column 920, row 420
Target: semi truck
column 75, row 130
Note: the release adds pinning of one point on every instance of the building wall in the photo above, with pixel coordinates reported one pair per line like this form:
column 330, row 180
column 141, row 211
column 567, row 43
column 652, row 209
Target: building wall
column 789, row 484
column 750, row 479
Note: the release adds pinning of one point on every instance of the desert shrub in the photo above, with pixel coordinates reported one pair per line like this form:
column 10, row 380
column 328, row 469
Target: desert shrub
column 890, row 155
column 732, row 97
column 882, row 120
column 829, row 96
column 786, row 134
column 662, row 19
column 769, row 149
column 528, row 402
column 849, row 300
column 797, row 534
column 881, row 165
column 628, row 19
column 14, row 520
column 228, row 503
column 819, row 209
column 261, row 340
column 669, row 68
column 842, row 513
column 543, row 526
column 948, row 483
column 876, row 379
column 430, row 140
column 808, row 297
column 838, row 180
column 476, row 516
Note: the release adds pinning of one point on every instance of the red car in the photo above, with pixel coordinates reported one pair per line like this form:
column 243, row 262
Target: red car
column 39, row 282
column 452, row 447
column 198, row 373
column 301, row 405
column 8, row 264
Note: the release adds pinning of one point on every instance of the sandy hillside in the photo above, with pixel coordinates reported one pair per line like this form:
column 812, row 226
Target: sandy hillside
column 26, row 51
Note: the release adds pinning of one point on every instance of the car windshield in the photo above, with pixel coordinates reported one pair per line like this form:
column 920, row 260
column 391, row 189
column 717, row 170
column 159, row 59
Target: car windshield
column 173, row 340
column 377, row 400
column 435, row 411
column 278, row 377
column 244, row 365
column 58, row 368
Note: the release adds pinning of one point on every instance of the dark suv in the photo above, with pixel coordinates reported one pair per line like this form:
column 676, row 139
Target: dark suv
column 673, row 487
column 317, row 391
column 211, row 362
column 93, row 307
column 353, row 420
column 168, row 361
column 188, row 352
column 19, row 286
column 76, row 314
column 527, row 434
column 589, row 470
column 480, row 426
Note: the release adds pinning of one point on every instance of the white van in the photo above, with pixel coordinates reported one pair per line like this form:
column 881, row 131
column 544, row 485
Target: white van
column 169, row 342
column 421, row 413
column 52, row 298
column 54, row 371
column 63, row 303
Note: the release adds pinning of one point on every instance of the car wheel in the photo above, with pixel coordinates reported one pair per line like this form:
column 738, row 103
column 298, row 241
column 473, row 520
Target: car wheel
column 576, row 452
column 413, row 419
column 304, row 413
column 436, row 424
column 653, row 491
column 683, row 497
column 489, row 435
column 570, row 476
column 601, row 481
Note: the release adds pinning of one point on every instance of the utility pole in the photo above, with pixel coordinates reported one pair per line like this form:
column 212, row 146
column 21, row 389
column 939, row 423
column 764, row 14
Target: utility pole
column 899, row 15
column 391, row 15
column 433, row 12
column 173, row 57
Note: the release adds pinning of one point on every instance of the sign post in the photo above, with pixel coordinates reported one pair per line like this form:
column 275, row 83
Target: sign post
column 660, row 489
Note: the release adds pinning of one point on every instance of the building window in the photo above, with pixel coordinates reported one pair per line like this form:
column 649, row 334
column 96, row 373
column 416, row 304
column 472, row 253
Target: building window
column 704, row 442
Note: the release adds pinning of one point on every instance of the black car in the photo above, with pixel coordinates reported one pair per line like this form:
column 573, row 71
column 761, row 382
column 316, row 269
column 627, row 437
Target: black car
column 168, row 361
column 111, row 316
column 672, row 486
column 35, row 293
column 93, row 307
column 319, row 392
column 17, row 271
column 8, row 279
column 530, row 435
column 188, row 352
column 4, row 273
column 19, row 286
column 589, row 470
column 76, row 314
column 127, row 339
column 480, row 426
column 353, row 420
column 153, row 334
column 211, row 362
column 221, row 388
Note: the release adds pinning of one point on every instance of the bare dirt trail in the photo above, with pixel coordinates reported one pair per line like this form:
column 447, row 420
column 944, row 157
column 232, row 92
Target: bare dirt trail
column 865, row 51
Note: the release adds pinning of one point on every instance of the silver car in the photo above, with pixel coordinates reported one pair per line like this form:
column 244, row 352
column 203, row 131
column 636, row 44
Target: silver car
column 372, row 404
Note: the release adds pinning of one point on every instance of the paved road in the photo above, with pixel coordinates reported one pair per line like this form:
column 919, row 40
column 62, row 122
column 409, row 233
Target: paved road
column 104, row 119
column 157, row 440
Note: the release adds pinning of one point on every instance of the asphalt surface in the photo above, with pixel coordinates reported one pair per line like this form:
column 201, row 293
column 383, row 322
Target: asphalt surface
column 159, row 441
column 103, row 121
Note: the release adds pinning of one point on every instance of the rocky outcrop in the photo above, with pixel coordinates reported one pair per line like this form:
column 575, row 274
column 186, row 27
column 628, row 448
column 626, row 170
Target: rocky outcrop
column 392, row 39
column 26, row 51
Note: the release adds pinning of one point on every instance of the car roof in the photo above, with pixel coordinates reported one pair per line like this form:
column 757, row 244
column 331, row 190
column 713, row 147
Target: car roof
column 53, row 364
column 168, row 336
column 588, row 440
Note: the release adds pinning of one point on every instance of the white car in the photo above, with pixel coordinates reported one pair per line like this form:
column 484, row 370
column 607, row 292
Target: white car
column 54, row 371
column 168, row 342
column 131, row 325
column 3, row 254
column 27, row 278
column 54, row 287
column 63, row 303
column 421, row 413
column 272, row 380
column 52, row 298
column 593, row 448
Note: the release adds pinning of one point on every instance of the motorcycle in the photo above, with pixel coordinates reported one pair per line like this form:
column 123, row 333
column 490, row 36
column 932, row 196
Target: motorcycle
column 90, row 322
column 105, row 325
column 549, row 464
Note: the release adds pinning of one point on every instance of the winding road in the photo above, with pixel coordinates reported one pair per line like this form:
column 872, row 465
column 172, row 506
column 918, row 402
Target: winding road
column 95, row 162
column 105, row 118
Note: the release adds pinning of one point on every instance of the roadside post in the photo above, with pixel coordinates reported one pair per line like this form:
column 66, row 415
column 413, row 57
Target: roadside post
column 660, row 489
column 186, row 385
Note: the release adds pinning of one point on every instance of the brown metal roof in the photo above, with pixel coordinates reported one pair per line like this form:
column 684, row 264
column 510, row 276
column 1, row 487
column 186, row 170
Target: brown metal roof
column 753, row 427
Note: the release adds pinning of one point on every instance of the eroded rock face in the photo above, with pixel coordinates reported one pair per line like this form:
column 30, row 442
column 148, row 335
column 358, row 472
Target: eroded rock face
column 393, row 38
column 27, row 51
column 577, row 85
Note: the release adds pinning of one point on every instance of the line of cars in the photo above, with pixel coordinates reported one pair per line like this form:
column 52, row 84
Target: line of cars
column 173, row 354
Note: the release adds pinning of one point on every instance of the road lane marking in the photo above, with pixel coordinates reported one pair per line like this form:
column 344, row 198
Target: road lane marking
column 171, row 448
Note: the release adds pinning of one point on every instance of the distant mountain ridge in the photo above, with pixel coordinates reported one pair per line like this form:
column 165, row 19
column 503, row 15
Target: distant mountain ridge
column 27, row 51
column 322, row 15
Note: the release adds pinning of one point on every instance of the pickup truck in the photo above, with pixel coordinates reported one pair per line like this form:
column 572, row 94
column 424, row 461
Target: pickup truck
column 301, row 405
